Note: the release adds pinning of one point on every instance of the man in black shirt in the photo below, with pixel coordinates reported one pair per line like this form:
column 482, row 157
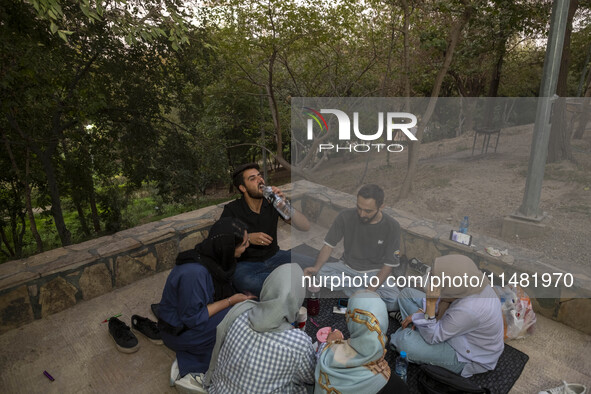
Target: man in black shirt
column 263, row 254
column 371, row 241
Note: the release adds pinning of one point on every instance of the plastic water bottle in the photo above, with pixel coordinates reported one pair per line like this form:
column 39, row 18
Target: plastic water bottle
column 464, row 225
column 401, row 366
column 281, row 205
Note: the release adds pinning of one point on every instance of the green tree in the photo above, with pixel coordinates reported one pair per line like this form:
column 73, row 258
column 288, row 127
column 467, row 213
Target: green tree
column 69, row 64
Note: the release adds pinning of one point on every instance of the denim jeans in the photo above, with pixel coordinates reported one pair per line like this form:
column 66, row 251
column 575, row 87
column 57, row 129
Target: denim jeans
column 250, row 275
column 339, row 270
column 411, row 341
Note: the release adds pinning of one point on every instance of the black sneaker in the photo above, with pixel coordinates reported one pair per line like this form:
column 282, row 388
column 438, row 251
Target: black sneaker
column 125, row 340
column 146, row 327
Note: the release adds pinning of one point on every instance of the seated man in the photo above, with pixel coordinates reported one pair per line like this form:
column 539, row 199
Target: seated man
column 263, row 254
column 459, row 328
column 371, row 243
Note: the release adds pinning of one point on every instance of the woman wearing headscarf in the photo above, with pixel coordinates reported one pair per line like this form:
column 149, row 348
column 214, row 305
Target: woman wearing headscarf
column 257, row 349
column 456, row 327
column 198, row 293
column 356, row 365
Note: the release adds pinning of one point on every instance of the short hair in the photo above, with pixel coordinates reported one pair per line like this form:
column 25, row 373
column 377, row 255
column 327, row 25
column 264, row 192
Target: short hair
column 237, row 178
column 372, row 191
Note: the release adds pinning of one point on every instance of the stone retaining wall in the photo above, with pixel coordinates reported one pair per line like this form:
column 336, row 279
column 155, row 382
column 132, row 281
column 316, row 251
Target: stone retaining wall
column 47, row 283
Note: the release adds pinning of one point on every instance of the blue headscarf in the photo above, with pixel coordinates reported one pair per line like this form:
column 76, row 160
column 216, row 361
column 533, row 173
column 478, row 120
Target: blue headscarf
column 357, row 365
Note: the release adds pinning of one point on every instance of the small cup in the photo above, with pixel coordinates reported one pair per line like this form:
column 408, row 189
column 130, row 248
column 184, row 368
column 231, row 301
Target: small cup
column 301, row 318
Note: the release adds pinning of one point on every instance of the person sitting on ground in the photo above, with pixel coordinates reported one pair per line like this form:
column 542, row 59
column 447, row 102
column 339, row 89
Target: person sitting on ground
column 458, row 328
column 357, row 365
column 263, row 255
column 258, row 350
column 197, row 295
column 371, row 242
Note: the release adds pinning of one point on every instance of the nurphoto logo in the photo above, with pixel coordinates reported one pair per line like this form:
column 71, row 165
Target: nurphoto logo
column 395, row 122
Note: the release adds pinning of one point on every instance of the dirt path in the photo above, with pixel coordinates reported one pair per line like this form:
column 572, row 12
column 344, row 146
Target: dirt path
column 452, row 183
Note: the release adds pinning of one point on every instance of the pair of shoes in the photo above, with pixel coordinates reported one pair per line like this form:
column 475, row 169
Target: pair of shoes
column 419, row 266
column 146, row 327
column 566, row 388
column 191, row 383
column 396, row 316
column 125, row 340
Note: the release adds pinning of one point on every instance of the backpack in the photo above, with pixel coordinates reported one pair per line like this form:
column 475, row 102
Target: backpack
column 438, row 380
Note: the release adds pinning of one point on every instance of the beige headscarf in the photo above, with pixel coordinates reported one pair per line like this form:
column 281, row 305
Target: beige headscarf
column 456, row 265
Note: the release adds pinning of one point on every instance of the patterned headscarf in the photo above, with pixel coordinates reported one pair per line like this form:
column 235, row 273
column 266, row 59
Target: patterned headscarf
column 357, row 365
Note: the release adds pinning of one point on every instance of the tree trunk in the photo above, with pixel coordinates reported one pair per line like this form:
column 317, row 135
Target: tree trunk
column 25, row 182
column 6, row 243
column 406, row 66
column 17, row 240
column 29, row 205
column 413, row 151
column 21, row 236
column 56, row 206
column 495, row 80
column 94, row 212
column 362, row 177
column 559, row 147
column 81, row 217
column 275, row 113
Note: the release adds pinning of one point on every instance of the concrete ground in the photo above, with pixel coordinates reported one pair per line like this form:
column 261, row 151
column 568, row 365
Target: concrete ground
column 76, row 349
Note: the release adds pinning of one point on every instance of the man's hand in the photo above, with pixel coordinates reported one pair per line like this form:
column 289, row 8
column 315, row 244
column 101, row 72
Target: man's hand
column 278, row 192
column 310, row 271
column 260, row 239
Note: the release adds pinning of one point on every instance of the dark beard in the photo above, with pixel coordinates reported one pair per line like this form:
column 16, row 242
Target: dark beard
column 260, row 196
column 367, row 220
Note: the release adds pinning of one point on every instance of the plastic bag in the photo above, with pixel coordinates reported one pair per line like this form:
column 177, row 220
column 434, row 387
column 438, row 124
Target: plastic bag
column 519, row 318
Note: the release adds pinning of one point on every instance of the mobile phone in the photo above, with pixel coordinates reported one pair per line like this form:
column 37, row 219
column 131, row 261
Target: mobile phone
column 461, row 238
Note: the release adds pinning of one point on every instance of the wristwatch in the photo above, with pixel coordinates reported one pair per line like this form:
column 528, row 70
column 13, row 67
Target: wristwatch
column 427, row 317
